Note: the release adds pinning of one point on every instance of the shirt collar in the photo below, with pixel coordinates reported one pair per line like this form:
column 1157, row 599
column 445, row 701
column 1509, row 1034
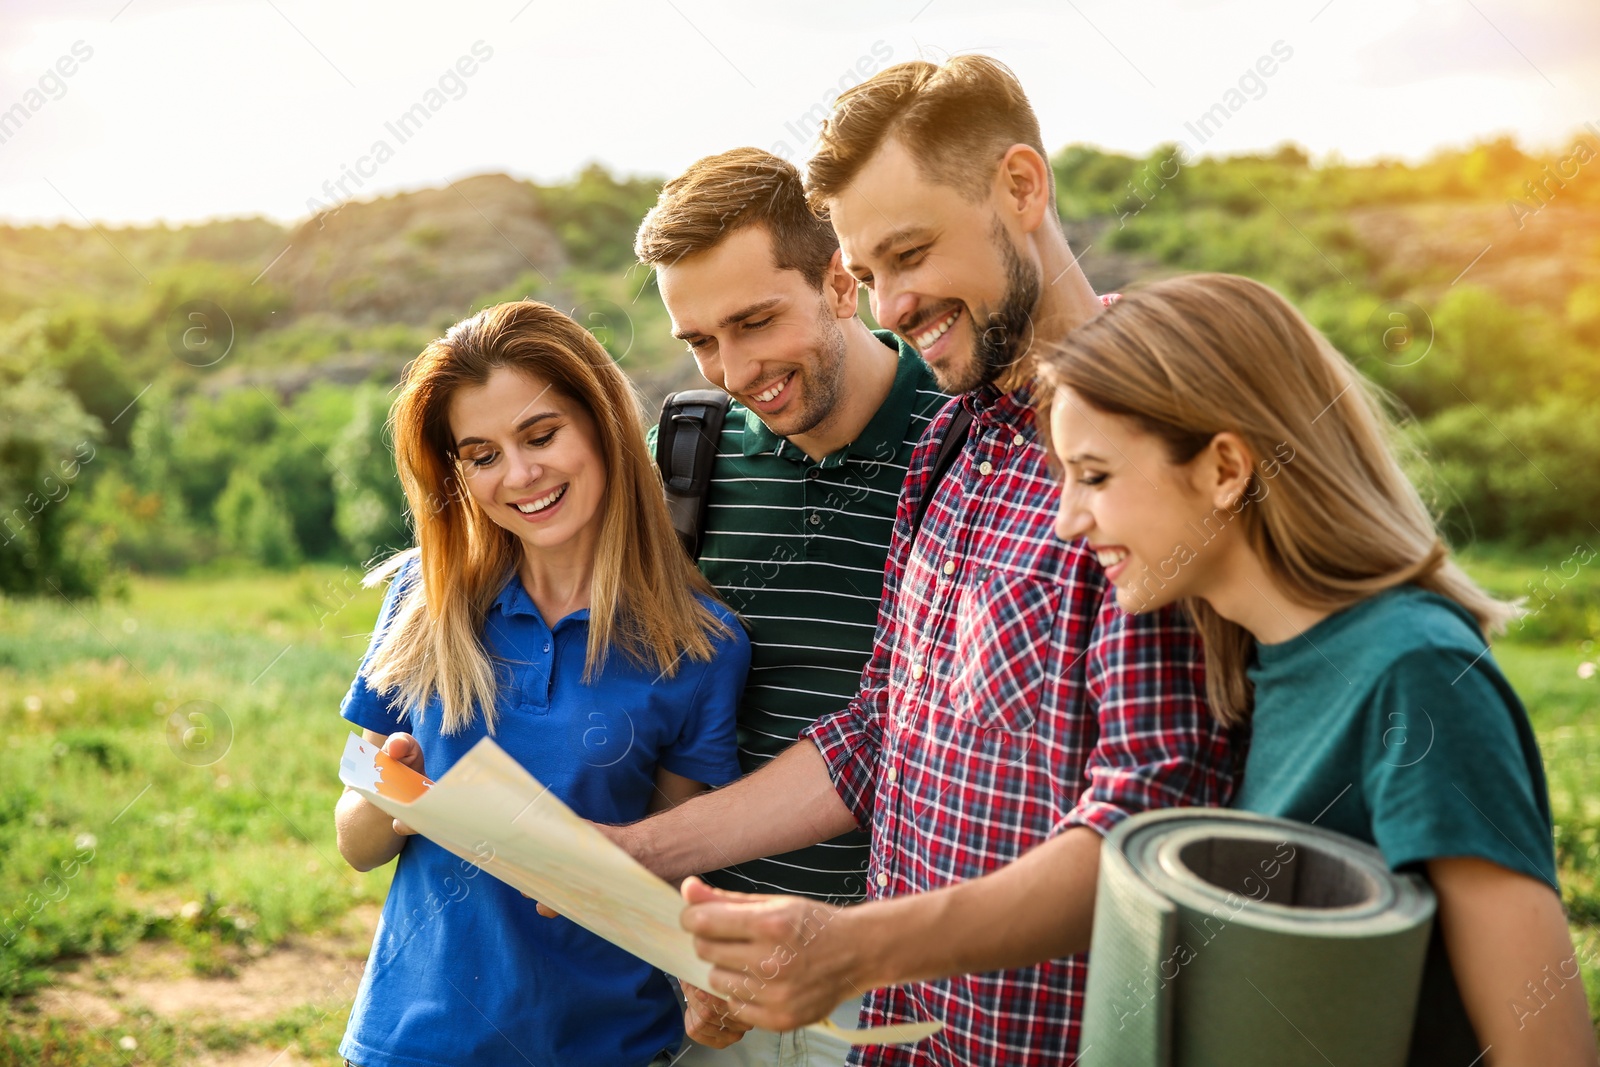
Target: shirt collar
column 757, row 438
column 882, row 435
column 514, row 600
column 887, row 429
column 1016, row 408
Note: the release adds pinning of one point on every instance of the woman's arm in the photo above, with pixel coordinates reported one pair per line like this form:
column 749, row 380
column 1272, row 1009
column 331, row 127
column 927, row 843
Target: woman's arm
column 672, row 790
column 1512, row 955
column 368, row 837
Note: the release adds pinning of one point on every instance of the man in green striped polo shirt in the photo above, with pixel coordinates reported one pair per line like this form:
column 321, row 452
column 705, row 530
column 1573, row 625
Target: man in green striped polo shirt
column 803, row 492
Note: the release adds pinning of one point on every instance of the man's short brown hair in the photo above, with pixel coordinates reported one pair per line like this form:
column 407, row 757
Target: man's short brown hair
column 957, row 120
column 721, row 194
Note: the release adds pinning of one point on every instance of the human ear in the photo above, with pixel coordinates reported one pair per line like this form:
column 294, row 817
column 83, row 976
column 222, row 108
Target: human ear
column 839, row 287
column 1224, row 469
column 1025, row 186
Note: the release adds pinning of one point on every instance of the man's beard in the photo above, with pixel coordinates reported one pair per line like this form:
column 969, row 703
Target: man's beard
column 821, row 384
column 1007, row 333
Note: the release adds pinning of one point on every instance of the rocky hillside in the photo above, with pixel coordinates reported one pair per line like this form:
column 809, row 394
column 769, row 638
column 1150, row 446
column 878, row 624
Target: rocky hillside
column 1528, row 259
column 413, row 257
column 405, row 258
column 416, row 260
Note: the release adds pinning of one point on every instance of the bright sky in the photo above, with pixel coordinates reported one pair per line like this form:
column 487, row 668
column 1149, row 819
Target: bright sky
column 185, row 110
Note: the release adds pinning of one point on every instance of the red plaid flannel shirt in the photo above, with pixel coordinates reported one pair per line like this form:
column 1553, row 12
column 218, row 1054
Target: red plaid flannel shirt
column 1008, row 698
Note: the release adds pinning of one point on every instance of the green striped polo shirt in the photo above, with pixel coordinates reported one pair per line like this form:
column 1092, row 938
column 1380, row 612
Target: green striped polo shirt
column 797, row 546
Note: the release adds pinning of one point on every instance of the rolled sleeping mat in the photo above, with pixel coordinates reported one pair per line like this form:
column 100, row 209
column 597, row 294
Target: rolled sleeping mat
column 1222, row 937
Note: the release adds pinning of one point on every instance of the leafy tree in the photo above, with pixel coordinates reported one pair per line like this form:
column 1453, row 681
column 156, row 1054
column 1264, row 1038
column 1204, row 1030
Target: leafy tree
column 297, row 466
column 596, row 216
column 1524, row 475
column 93, row 370
column 46, row 440
column 254, row 522
column 1090, row 182
column 370, row 507
column 215, row 437
column 152, row 440
column 1484, row 350
column 143, row 529
column 1583, row 312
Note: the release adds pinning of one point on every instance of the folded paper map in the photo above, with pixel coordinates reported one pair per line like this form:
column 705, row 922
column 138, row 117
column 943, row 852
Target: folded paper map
column 492, row 813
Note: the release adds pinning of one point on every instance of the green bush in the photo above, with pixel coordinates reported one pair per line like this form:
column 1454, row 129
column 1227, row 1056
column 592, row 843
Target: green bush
column 213, row 437
column 596, row 216
column 1488, row 350
column 1526, row 475
column 254, row 522
column 46, row 441
column 1262, row 244
column 1583, row 312
column 295, row 470
column 92, row 370
column 143, row 530
column 369, row 506
column 1089, row 182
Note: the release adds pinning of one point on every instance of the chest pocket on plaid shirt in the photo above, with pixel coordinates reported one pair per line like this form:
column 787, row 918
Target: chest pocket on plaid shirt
column 1003, row 632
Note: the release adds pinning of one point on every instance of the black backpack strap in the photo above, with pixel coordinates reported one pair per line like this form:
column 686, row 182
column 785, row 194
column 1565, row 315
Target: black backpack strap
column 686, row 448
column 955, row 437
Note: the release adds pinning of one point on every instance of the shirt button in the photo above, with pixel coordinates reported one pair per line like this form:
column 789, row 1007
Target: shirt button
column 949, row 566
column 1019, row 439
column 916, row 671
column 547, row 646
column 816, row 520
column 883, row 879
column 892, row 775
column 813, row 473
column 986, row 467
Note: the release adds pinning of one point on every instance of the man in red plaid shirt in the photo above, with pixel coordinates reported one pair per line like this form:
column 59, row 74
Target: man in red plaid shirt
column 1011, row 713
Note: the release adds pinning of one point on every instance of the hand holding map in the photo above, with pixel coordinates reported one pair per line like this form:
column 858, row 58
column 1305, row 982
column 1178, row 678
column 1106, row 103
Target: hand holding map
column 491, row 812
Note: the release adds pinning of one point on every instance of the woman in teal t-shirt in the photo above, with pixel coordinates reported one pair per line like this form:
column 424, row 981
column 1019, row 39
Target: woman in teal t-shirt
column 1218, row 451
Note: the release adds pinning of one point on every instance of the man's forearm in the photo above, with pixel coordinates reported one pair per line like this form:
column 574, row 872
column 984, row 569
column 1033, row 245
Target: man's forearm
column 1038, row 908
column 788, row 804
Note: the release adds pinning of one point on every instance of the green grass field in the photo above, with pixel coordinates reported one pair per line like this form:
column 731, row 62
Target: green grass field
column 169, row 769
column 177, row 750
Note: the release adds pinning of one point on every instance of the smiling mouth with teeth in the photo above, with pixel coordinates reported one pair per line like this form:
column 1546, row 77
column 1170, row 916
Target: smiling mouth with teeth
column 535, row 506
column 1111, row 557
column 772, row 392
column 927, row 337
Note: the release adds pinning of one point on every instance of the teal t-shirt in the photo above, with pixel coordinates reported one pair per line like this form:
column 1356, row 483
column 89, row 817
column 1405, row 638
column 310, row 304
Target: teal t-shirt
column 1391, row 722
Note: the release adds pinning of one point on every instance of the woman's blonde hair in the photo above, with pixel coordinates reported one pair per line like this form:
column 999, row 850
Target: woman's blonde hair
column 642, row 597
column 1192, row 356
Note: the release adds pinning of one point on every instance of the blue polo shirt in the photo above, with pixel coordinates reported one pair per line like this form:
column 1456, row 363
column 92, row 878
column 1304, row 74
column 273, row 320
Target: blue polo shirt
column 463, row 970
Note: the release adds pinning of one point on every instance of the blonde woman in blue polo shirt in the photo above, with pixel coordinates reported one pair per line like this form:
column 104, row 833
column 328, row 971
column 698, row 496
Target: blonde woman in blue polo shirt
column 549, row 604
column 1221, row 453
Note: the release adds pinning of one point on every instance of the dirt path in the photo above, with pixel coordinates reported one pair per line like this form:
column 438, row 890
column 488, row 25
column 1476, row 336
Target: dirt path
column 156, row 978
